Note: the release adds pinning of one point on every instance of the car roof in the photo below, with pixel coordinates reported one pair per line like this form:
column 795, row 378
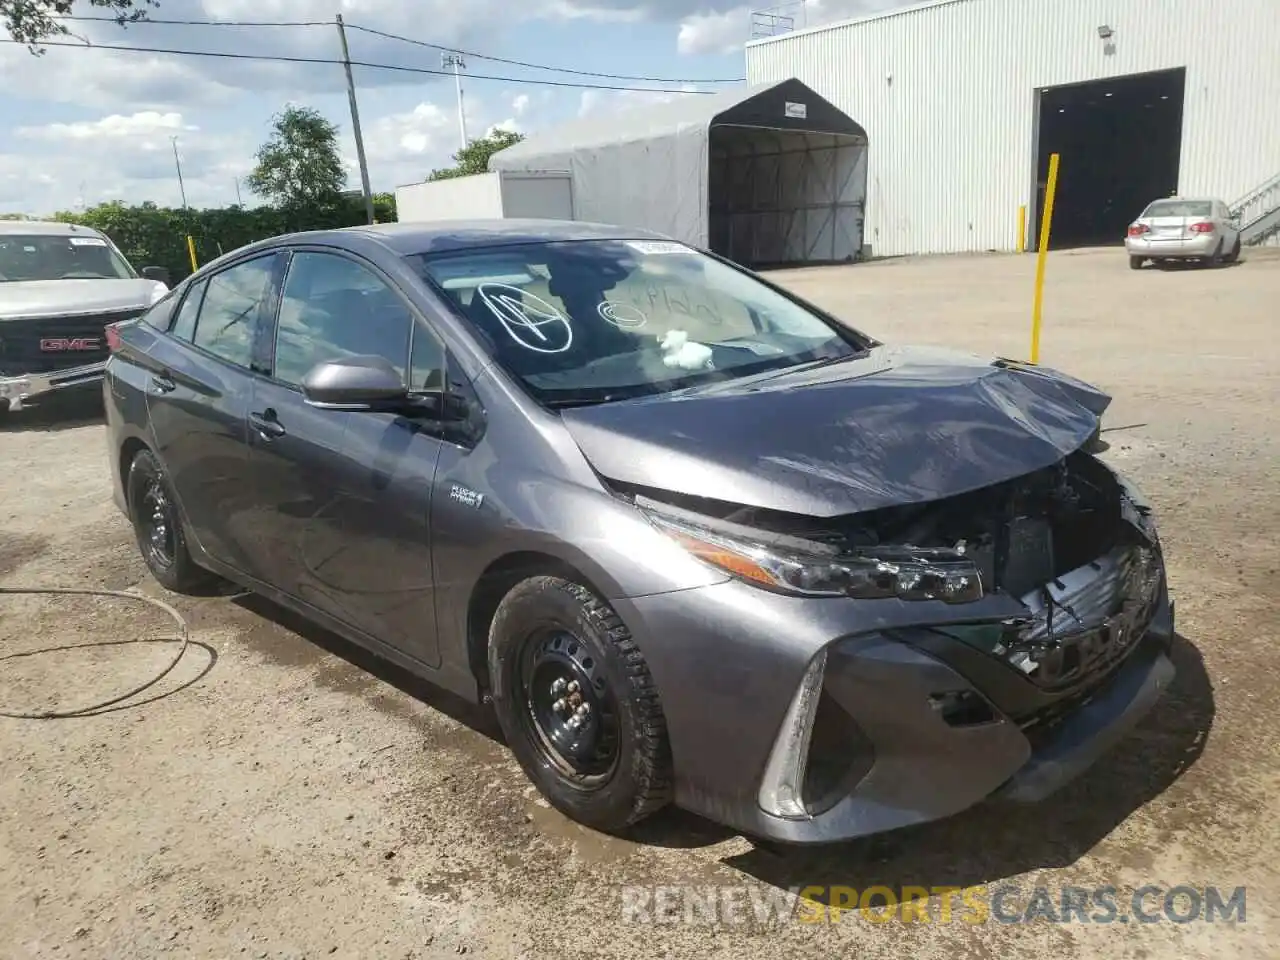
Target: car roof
column 1185, row 200
column 50, row 228
column 451, row 235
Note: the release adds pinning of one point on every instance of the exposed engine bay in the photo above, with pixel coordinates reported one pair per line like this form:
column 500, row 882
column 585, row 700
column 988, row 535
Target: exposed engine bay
column 1067, row 542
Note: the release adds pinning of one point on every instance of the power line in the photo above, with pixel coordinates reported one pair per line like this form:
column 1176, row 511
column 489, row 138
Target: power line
column 281, row 58
column 409, row 40
column 534, row 66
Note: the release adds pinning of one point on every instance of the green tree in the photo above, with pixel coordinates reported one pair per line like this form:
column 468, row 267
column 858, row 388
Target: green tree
column 30, row 21
column 474, row 157
column 299, row 164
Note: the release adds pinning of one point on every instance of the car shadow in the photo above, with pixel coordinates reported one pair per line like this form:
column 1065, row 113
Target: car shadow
column 1176, row 265
column 997, row 840
column 80, row 409
column 475, row 716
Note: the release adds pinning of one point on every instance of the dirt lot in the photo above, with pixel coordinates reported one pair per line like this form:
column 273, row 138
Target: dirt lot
column 272, row 799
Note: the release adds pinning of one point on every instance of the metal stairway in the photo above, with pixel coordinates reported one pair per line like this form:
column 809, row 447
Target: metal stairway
column 1258, row 212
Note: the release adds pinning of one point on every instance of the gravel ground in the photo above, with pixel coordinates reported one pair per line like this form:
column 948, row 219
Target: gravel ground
column 284, row 795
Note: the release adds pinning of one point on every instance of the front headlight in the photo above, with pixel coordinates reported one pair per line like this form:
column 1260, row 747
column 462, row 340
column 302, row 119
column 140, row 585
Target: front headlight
column 817, row 570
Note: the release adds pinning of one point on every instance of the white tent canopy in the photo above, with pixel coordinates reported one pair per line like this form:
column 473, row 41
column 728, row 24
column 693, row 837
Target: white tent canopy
column 768, row 174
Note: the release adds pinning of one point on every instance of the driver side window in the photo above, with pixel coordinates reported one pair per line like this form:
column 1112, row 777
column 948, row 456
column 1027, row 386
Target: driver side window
column 334, row 307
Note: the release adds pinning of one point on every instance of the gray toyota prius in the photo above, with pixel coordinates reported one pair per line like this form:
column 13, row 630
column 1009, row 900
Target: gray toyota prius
column 697, row 541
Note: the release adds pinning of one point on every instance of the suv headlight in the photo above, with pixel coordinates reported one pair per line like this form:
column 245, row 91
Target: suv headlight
column 908, row 573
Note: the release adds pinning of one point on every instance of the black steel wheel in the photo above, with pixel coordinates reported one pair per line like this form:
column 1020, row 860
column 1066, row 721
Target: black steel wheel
column 577, row 704
column 157, row 525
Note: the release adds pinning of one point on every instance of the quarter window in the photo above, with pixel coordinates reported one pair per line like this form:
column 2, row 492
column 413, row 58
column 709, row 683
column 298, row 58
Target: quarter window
column 333, row 307
column 184, row 325
column 230, row 310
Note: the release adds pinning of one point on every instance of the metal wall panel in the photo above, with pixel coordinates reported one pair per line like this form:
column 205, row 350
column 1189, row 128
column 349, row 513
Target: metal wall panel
column 947, row 94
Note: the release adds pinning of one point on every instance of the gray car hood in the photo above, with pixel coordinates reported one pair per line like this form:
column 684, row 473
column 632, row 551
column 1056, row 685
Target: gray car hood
column 64, row 298
column 896, row 426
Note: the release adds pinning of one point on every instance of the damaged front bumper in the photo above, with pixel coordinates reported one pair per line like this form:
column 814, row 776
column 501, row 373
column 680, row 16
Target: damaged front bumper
column 815, row 719
column 17, row 390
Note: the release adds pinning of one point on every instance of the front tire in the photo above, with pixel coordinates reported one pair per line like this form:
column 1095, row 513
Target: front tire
column 578, row 705
column 157, row 524
column 1135, row 263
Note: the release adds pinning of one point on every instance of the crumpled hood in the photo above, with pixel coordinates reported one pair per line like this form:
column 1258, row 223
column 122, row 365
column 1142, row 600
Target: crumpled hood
column 63, row 298
column 901, row 425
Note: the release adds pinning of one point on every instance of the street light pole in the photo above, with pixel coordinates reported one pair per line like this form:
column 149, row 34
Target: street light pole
column 178, row 165
column 455, row 61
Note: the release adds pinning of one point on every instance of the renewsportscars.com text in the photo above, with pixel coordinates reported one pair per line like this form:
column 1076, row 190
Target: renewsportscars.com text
column 1003, row 903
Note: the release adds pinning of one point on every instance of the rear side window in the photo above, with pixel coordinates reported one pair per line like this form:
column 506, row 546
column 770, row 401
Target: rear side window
column 160, row 313
column 184, row 325
column 229, row 312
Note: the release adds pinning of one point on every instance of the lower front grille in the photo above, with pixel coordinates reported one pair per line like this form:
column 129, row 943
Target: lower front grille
column 50, row 344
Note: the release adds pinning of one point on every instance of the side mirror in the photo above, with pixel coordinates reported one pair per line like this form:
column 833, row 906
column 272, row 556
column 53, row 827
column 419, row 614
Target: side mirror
column 355, row 383
column 157, row 273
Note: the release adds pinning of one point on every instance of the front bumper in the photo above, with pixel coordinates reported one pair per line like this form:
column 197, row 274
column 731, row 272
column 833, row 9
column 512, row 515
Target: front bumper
column 1198, row 247
column 743, row 652
column 19, row 389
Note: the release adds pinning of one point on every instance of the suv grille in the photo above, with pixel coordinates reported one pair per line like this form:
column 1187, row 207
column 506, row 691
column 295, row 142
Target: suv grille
column 56, row 343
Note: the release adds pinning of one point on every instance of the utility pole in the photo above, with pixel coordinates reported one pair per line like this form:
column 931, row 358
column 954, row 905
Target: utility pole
column 355, row 120
column 239, row 202
column 455, row 61
column 178, row 164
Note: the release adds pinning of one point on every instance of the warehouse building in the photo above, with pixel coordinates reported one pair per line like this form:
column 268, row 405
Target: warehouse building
column 963, row 101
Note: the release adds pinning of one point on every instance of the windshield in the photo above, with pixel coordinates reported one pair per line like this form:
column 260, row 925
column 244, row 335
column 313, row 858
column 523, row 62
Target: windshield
column 48, row 257
column 595, row 320
column 1179, row 208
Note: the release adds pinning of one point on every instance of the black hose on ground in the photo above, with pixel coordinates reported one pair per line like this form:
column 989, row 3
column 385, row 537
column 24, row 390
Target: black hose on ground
column 183, row 641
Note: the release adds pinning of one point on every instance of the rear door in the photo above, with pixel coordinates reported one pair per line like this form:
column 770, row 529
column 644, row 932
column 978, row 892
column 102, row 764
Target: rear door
column 350, row 493
column 198, row 392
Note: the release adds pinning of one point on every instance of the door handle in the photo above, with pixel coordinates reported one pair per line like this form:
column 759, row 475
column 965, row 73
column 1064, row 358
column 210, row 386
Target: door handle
column 266, row 424
column 163, row 383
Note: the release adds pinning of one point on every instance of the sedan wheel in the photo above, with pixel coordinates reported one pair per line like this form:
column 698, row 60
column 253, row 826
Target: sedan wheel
column 157, row 524
column 1234, row 255
column 577, row 704
column 1135, row 263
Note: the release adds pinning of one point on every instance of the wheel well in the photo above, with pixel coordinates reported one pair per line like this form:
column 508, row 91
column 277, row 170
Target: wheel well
column 131, row 448
column 494, row 584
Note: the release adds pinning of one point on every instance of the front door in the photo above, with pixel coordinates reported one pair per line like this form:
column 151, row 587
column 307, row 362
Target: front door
column 348, row 493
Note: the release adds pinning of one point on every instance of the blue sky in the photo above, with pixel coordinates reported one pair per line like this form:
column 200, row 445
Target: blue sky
column 82, row 126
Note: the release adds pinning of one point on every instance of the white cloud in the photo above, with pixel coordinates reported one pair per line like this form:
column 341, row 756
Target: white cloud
column 713, row 32
column 613, row 101
column 717, row 30
column 145, row 125
column 520, row 104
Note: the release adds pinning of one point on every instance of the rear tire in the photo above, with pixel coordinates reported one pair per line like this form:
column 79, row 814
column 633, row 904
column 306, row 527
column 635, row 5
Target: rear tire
column 555, row 648
column 1234, row 255
column 1135, row 263
column 157, row 525
column 1215, row 260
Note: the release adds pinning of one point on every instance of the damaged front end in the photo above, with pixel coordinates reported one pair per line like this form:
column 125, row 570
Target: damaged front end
column 1072, row 544
column 1035, row 589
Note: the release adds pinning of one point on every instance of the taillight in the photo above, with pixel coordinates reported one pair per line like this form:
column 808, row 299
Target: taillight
column 114, row 342
column 1138, row 229
column 1202, row 228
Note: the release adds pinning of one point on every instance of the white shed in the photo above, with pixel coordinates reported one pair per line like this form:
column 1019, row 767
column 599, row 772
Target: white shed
column 768, row 174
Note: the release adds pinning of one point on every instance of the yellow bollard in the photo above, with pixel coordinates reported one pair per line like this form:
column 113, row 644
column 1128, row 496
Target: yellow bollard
column 1046, row 220
column 191, row 249
column 1022, row 229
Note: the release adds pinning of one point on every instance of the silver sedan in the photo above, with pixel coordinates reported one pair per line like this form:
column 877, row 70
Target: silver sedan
column 1182, row 228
